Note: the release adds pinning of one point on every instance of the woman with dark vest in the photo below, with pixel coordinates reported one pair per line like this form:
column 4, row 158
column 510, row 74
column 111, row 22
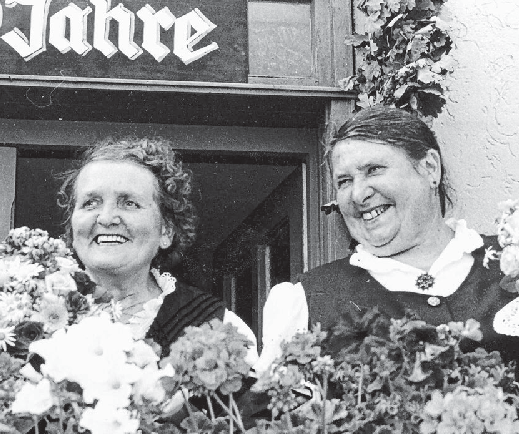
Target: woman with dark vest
column 389, row 179
column 128, row 208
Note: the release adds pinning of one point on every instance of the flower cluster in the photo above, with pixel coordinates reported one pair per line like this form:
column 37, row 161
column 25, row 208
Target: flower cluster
column 94, row 376
column 210, row 358
column 42, row 288
column 508, row 238
column 392, row 375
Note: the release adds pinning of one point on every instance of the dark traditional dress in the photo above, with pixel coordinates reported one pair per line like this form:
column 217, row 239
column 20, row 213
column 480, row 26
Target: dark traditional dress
column 340, row 288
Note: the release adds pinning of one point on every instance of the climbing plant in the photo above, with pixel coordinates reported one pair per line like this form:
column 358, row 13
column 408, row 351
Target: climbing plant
column 402, row 50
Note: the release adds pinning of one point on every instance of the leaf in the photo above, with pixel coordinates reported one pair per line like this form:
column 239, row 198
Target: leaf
column 394, row 20
column 426, row 76
column 510, row 284
column 356, row 40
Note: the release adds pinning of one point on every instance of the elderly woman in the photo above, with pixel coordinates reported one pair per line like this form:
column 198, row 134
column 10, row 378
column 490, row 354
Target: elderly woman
column 389, row 179
column 128, row 208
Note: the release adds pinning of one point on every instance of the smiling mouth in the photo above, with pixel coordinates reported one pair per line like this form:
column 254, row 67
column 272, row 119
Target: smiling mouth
column 110, row 239
column 374, row 213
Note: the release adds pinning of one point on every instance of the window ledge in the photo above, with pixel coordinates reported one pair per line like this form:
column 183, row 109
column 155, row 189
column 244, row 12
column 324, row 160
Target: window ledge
column 194, row 87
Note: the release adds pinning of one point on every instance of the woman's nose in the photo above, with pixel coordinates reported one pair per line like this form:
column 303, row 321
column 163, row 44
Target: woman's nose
column 361, row 191
column 108, row 215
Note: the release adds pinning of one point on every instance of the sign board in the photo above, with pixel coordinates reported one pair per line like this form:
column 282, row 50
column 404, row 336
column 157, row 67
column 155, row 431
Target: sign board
column 173, row 40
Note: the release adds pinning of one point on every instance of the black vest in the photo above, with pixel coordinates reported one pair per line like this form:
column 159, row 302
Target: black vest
column 186, row 306
column 339, row 288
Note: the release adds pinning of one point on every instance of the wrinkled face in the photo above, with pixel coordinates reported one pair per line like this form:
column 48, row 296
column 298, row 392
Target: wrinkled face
column 385, row 198
column 116, row 223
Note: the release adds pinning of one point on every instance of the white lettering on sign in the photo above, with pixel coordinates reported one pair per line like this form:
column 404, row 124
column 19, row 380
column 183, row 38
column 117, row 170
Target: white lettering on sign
column 190, row 29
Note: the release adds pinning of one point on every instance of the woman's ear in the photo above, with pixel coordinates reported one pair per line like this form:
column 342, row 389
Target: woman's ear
column 432, row 167
column 166, row 237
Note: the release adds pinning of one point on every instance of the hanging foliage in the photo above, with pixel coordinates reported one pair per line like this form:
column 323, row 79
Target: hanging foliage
column 403, row 55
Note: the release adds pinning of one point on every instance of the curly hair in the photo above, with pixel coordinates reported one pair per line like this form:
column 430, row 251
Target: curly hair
column 157, row 155
column 398, row 128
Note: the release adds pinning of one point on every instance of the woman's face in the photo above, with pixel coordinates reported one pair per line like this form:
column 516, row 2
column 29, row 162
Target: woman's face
column 385, row 198
column 117, row 226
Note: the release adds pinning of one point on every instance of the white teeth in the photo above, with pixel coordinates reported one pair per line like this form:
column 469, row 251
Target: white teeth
column 110, row 239
column 374, row 213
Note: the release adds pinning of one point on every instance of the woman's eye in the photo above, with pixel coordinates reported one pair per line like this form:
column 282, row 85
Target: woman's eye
column 131, row 204
column 89, row 203
column 344, row 182
column 374, row 169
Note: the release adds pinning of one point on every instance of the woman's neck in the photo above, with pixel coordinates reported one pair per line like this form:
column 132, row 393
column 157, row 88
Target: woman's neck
column 136, row 285
column 426, row 251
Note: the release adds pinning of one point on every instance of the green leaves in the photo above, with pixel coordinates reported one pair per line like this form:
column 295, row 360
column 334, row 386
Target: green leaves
column 404, row 50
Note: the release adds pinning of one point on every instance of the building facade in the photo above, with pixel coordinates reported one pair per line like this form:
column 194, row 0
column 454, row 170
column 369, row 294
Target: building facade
column 246, row 90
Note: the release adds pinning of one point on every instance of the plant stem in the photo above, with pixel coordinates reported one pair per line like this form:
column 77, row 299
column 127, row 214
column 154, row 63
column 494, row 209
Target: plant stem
column 325, row 395
column 359, row 394
column 210, row 405
column 231, row 427
column 237, row 411
column 36, row 428
column 188, row 406
column 228, row 410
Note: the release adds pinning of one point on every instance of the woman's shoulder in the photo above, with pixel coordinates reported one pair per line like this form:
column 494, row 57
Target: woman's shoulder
column 337, row 270
column 188, row 295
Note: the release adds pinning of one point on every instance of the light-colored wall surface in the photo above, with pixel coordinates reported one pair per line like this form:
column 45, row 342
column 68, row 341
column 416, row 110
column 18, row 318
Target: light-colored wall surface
column 479, row 127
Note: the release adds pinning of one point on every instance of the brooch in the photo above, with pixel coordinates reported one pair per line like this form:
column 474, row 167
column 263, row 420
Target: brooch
column 424, row 281
column 433, row 301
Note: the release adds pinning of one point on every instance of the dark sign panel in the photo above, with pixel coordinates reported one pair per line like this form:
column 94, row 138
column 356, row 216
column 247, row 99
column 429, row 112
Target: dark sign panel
column 173, row 40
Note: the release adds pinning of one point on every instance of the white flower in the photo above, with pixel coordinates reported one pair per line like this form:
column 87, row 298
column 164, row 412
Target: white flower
column 30, row 373
column 112, row 382
column 53, row 313
column 6, row 337
column 67, row 265
column 19, row 270
column 60, row 283
column 149, row 386
column 33, row 399
column 14, row 307
column 107, row 419
column 490, row 255
column 510, row 261
column 142, row 354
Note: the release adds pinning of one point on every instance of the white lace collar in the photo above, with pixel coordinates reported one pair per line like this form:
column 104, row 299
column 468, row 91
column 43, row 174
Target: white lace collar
column 449, row 270
column 141, row 321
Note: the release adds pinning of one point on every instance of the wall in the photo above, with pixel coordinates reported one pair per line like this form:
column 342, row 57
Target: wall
column 479, row 128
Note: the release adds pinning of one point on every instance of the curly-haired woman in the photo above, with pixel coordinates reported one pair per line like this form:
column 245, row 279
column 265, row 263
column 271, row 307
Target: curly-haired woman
column 128, row 208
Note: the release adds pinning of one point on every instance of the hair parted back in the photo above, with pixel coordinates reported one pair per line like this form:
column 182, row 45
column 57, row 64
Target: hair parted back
column 174, row 182
column 398, row 128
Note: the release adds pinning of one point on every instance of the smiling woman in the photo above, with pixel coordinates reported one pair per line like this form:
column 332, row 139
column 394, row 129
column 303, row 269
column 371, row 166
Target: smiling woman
column 389, row 180
column 128, row 208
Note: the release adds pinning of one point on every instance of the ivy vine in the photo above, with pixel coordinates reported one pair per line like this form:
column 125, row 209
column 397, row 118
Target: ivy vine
column 404, row 55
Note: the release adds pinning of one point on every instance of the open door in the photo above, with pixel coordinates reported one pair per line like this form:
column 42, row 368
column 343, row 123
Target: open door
column 267, row 248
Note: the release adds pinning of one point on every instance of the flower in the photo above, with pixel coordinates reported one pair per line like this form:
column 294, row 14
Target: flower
column 34, row 399
column 53, row 314
column 509, row 261
column 14, row 307
column 26, row 333
column 60, row 283
column 148, row 387
column 6, row 337
column 108, row 419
